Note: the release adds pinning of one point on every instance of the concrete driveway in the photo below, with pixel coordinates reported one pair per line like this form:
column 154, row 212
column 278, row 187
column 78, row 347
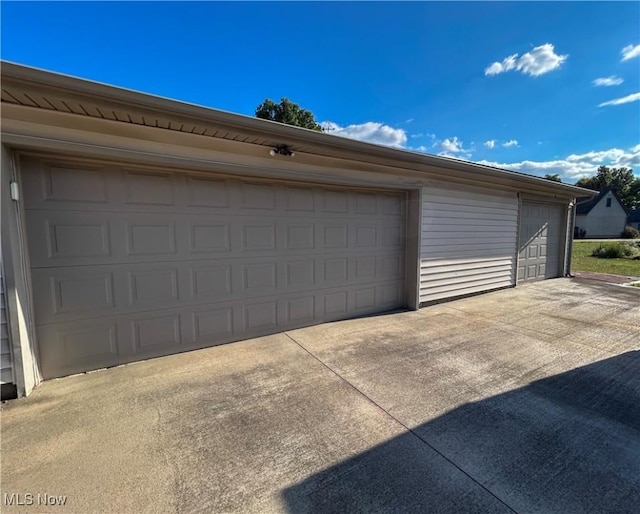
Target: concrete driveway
column 523, row 400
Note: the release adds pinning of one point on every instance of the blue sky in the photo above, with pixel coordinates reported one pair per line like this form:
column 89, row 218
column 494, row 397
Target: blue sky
column 506, row 83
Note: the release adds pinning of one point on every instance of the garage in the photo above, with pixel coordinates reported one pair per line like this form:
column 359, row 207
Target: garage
column 129, row 263
column 541, row 241
column 135, row 226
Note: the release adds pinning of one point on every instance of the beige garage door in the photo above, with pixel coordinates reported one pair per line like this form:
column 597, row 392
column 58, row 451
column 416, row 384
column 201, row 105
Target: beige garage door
column 129, row 264
column 540, row 241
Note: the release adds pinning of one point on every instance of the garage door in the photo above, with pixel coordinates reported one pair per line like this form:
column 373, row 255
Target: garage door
column 540, row 241
column 129, row 264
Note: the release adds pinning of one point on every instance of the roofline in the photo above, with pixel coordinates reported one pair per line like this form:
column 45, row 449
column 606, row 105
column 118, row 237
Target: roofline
column 39, row 77
column 595, row 200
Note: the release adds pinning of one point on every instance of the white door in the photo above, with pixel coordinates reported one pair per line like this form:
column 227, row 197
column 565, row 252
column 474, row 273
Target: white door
column 540, row 241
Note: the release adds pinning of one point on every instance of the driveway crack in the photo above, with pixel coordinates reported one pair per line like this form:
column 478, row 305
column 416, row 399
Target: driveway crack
column 399, row 422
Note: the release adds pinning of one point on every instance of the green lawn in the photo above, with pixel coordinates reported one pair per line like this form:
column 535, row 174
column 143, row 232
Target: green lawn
column 582, row 261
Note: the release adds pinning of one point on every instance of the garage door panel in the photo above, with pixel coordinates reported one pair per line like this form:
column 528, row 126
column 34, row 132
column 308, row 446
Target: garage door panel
column 335, row 305
column 59, row 185
column 210, row 281
column 389, row 295
column 212, row 323
column 54, row 238
column 335, row 202
column 259, row 278
column 59, row 238
column 76, row 292
column 300, row 273
column 156, row 331
column 209, row 236
column 258, row 196
column 301, row 309
column 153, row 262
column 335, row 270
column 335, row 235
column 70, row 293
column 364, row 298
column 364, row 234
column 80, row 346
column 150, row 237
column 365, row 203
column 299, row 236
column 153, row 286
column 207, row 192
column 299, row 199
column 258, row 236
column 149, row 188
column 47, row 184
column 390, row 205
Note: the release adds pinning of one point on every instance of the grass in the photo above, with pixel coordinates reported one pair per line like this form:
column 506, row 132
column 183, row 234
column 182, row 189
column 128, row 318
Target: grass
column 583, row 261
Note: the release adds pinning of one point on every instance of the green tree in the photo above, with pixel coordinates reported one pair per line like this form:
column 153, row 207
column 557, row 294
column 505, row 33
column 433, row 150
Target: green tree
column 553, row 178
column 622, row 180
column 287, row 112
column 633, row 201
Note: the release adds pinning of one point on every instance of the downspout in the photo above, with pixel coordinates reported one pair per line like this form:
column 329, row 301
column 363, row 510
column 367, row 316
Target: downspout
column 572, row 224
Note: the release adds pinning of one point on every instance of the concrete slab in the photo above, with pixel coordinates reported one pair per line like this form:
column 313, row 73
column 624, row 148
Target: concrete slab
column 523, row 400
column 228, row 429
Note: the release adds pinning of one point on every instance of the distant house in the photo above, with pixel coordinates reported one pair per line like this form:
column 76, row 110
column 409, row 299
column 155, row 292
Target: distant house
column 633, row 220
column 600, row 216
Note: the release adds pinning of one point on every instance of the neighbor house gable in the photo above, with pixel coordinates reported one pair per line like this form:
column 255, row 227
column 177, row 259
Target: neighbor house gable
column 602, row 216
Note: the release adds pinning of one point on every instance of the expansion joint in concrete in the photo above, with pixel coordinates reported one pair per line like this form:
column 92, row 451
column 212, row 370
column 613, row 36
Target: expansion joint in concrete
column 399, row 422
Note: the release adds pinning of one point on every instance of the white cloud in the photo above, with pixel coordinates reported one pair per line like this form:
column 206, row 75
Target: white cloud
column 633, row 97
column 570, row 168
column 576, row 166
column 542, row 59
column 453, row 145
column 453, row 148
column 630, row 51
column 371, row 132
column 507, row 64
column 608, row 81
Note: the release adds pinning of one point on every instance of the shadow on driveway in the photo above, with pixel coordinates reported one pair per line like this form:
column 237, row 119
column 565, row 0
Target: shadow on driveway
column 568, row 443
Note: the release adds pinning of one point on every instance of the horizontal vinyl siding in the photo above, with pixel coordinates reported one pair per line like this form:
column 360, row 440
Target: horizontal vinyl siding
column 6, row 368
column 468, row 242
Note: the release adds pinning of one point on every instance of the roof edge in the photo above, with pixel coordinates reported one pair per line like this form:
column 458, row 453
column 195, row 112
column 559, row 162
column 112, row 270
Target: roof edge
column 37, row 76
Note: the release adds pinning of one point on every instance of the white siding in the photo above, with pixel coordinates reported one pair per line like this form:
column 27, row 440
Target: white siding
column 468, row 243
column 6, row 369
